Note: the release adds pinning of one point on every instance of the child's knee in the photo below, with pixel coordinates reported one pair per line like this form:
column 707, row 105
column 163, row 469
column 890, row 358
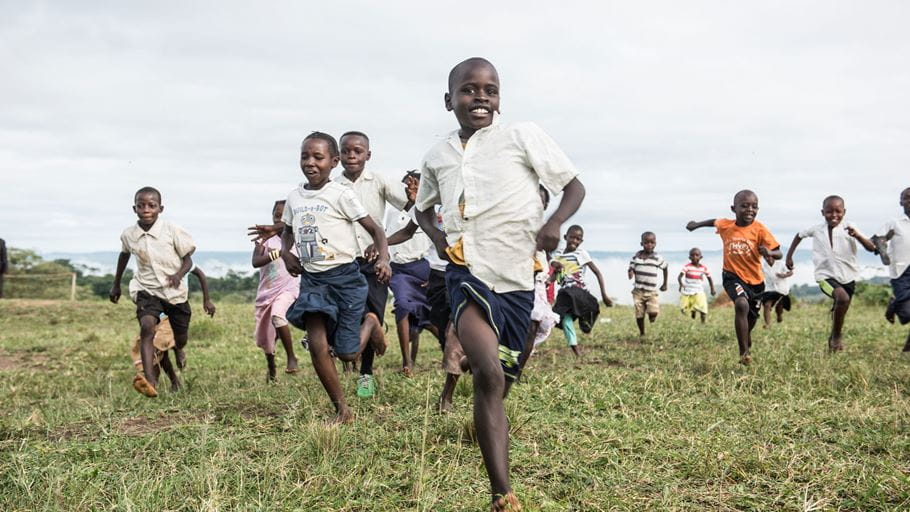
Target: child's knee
column 741, row 305
column 841, row 297
column 147, row 325
column 279, row 321
column 488, row 374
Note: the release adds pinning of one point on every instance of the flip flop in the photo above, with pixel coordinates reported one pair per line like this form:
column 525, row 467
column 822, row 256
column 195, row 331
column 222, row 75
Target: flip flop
column 143, row 387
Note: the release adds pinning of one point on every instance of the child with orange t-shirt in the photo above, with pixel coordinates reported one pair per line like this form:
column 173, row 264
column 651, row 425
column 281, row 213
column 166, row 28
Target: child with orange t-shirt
column 746, row 241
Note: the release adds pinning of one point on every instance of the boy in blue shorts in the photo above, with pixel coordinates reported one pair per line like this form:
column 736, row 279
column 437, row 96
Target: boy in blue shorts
column 486, row 177
column 892, row 242
column 319, row 217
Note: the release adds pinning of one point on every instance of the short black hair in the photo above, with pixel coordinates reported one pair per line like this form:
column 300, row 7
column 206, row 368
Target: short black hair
column 648, row 233
column 333, row 144
column 576, row 227
column 467, row 64
column 354, row 133
column 147, row 190
column 694, row 249
column 832, row 197
column 744, row 192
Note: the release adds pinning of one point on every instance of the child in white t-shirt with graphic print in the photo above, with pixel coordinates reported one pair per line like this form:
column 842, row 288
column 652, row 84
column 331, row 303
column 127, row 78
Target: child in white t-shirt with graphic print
column 319, row 218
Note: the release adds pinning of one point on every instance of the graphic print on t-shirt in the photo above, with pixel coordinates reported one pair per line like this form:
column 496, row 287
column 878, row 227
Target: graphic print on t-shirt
column 309, row 239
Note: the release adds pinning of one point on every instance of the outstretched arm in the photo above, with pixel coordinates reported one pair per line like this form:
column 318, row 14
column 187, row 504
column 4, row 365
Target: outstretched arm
column 791, row 250
column 204, row 284
column 572, row 195
column 404, row 234
column 711, row 285
column 770, row 254
column 381, row 246
column 114, row 294
column 865, row 242
column 693, row 225
column 600, row 281
column 679, row 280
column 426, row 219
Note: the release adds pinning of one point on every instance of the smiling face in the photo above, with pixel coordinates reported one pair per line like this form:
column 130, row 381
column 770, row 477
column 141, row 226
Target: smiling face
column 147, row 206
column 833, row 210
column 745, row 207
column 355, row 151
column 317, row 162
column 473, row 95
column 573, row 238
column 905, row 201
column 695, row 256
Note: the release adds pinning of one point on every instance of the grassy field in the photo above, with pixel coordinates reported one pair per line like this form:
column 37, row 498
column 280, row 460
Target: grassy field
column 671, row 423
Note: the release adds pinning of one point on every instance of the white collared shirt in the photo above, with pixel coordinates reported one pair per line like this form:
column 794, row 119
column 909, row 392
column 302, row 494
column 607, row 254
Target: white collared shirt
column 834, row 258
column 159, row 253
column 373, row 190
column 416, row 248
column 495, row 176
column 898, row 246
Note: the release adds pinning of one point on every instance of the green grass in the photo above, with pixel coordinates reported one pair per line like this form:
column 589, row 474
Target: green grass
column 669, row 424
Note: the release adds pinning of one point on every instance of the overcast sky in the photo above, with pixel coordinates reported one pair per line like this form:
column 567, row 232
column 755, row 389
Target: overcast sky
column 666, row 108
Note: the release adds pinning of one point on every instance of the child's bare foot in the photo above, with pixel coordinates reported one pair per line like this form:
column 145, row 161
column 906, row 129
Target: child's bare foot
column 180, row 356
column 406, row 371
column 444, row 405
column 292, row 366
column 175, row 385
column 745, row 360
column 141, row 385
column 377, row 334
column 507, row 503
column 343, row 416
column 835, row 345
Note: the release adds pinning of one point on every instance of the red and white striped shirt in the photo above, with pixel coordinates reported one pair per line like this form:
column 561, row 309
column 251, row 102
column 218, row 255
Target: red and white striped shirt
column 693, row 278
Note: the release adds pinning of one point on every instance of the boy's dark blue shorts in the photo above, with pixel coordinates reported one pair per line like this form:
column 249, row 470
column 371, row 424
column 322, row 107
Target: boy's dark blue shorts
column 509, row 314
column 377, row 293
column 339, row 294
column 736, row 287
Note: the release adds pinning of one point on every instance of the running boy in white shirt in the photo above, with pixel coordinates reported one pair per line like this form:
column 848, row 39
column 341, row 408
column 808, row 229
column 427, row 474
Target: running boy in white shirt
column 893, row 243
column 319, row 217
column 836, row 266
column 777, row 291
column 486, row 177
column 691, row 281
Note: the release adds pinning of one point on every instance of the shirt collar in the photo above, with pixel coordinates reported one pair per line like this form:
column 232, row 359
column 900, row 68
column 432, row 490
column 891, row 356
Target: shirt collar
column 365, row 175
column 455, row 140
column 154, row 231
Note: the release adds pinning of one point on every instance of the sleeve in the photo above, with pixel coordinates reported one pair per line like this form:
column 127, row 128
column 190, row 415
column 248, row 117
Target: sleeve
column 721, row 225
column 124, row 245
column 806, row 233
column 288, row 215
column 663, row 263
column 584, row 258
column 350, row 207
column 705, row 271
column 428, row 190
column 394, row 195
column 768, row 239
column 544, row 156
column 183, row 242
column 885, row 229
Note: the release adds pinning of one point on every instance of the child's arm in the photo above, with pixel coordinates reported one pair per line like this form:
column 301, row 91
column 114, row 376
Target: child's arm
column 631, row 272
column 187, row 263
column 572, row 195
column 663, row 287
column 770, row 254
column 118, row 276
column 290, row 261
column 403, row 235
column 865, row 242
column 262, row 256
column 600, row 281
column 791, row 250
column 426, row 219
column 381, row 248
column 262, row 232
column 784, row 275
column 711, row 284
column 204, row 284
column 679, row 280
column 693, row 225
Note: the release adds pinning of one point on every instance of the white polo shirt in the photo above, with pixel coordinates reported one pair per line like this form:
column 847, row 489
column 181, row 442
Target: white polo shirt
column 412, row 250
column 373, row 190
column 495, row 176
column 898, row 246
column 774, row 283
column 323, row 224
column 834, row 258
column 159, row 253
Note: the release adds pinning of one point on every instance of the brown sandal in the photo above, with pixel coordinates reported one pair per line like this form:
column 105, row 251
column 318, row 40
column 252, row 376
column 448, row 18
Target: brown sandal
column 143, row 387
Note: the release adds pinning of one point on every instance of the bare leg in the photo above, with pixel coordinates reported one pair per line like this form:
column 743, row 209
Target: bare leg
column 703, row 317
column 448, row 391
column 779, row 309
column 284, row 333
column 482, row 349
column 325, row 367
column 841, row 305
column 766, row 314
column 641, row 326
column 169, row 371
column 270, row 363
column 907, row 344
column 147, row 327
column 180, row 340
column 741, row 323
column 415, row 344
column 403, row 328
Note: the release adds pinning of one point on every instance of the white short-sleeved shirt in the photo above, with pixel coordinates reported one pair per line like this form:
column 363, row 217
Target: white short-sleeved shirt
column 323, row 223
column 573, row 267
column 773, row 283
column 495, row 177
column 159, row 253
column 436, row 263
column 412, row 250
column 373, row 190
column 898, row 246
column 834, row 258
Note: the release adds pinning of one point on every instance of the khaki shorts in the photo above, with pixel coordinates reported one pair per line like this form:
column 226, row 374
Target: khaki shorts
column 645, row 302
column 163, row 341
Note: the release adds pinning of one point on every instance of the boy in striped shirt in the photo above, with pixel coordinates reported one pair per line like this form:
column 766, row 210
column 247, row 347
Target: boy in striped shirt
column 645, row 269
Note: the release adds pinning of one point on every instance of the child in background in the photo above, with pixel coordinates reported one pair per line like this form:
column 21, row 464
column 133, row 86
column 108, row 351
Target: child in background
column 486, row 177
column 745, row 241
column 893, row 243
column 691, row 280
column 319, row 216
column 645, row 269
column 543, row 319
column 276, row 294
column 573, row 299
column 836, row 266
column 163, row 257
column 777, row 291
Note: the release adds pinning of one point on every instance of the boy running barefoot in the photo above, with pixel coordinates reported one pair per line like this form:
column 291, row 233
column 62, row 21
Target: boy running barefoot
column 163, row 256
column 777, row 291
column 645, row 268
column 836, row 266
column 319, row 216
column 745, row 241
column 893, row 243
column 691, row 281
column 486, row 176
